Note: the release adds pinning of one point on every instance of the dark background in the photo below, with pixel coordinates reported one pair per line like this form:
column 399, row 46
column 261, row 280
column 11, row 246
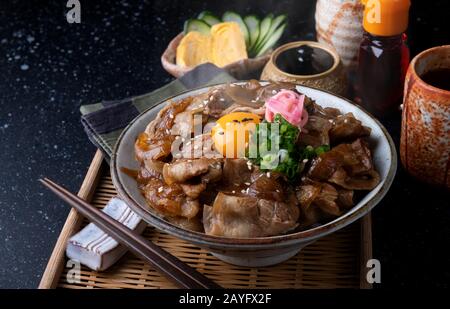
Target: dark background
column 48, row 68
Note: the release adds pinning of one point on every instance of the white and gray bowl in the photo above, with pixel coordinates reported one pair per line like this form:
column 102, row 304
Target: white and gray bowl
column 262, row 251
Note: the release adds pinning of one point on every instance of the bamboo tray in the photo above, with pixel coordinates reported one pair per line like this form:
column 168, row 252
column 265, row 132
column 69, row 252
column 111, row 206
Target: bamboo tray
column 335, row 261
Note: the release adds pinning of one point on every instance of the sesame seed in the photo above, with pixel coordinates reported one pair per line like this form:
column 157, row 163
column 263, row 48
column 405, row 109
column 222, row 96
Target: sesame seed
column 345, row 120
column 274, row 91
column 277, row 190
column 171, row 116
column 160, row 189
column 221, row 99
column 247, row 183
column 330, row 120
column 305, row 160
column 242, row 191
column 268, row 174
column 211, row 98
column 233, row 191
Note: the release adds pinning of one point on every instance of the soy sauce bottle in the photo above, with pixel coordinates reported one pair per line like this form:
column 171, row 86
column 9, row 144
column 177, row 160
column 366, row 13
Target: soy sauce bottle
column 383, row 56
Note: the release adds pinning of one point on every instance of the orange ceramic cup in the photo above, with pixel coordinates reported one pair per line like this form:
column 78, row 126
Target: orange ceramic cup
column 425, row 136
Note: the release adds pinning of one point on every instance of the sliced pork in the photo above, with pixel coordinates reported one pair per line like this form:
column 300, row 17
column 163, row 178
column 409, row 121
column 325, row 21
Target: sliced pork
column 247, row 216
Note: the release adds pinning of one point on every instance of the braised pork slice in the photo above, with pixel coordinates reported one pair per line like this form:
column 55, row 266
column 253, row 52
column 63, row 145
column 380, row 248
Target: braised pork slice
column 322, row 201
column 155, row 143
column 236, row 172
column 199, row 146
column 169, row 200
column 315, row 132
column 247, row 216
column 182, row 170
column 347, row 165
column 347, row 128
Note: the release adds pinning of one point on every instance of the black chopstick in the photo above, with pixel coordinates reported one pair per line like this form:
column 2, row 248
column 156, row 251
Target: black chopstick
column 173, row 268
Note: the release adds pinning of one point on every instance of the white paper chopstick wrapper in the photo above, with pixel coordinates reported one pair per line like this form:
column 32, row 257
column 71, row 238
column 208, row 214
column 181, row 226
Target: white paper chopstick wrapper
column 94, row 248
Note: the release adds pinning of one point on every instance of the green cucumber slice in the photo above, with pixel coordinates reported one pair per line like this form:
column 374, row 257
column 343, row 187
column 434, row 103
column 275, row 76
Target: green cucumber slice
column 196, row 25
column 232, row 16
column 252, row 23
column 209, row 18
column 276, row 22
column 264, row 28
column 272, row 40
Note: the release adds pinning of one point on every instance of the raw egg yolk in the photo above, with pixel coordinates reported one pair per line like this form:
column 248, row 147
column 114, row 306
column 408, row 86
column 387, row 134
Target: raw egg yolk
column 231, row 133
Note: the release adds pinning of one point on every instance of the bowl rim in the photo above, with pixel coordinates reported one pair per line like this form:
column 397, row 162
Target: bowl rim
column 255, row 242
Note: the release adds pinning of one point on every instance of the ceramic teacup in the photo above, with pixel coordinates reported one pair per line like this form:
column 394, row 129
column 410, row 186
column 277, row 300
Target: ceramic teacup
column 425, row 136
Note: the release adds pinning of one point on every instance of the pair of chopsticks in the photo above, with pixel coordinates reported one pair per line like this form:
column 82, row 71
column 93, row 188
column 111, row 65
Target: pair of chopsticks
column 179, row 272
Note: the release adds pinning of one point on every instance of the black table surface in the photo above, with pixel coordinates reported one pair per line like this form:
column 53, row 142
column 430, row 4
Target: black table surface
column 48, row 68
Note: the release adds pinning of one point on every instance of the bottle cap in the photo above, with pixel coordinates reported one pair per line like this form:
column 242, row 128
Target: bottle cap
column 385, row 17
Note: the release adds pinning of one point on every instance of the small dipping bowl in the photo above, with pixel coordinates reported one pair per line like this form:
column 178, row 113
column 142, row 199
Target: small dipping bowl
column 329, row 73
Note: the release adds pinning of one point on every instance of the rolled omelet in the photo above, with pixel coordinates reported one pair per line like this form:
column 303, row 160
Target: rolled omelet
column 228, row 44
column 193, row 49
column 224, row 45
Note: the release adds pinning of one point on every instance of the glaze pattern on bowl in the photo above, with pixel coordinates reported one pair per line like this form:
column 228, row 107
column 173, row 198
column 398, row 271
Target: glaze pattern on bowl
column 265, row 250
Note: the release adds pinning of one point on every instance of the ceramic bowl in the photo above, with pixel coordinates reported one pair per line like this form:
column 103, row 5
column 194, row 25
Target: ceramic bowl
column 262, row 251
column 333, row 79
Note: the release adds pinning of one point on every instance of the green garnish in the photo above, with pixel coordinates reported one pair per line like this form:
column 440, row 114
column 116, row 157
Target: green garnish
column 288, row 159
column 309, row 152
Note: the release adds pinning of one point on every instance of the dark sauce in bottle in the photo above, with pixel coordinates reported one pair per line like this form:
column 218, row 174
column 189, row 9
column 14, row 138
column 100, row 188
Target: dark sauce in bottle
column 383, row 62
column 304, row 60
column 439, row 78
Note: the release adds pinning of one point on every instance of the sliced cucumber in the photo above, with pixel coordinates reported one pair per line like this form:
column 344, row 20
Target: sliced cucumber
column 264, row 28
column 209, row 18
column 252, row 23
column 272, row 40
column 196, row 25
column 232, row 16
column 276, row 22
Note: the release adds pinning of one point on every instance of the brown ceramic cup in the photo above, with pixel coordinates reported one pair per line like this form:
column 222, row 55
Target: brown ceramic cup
column 333, row 80
column 425, row 135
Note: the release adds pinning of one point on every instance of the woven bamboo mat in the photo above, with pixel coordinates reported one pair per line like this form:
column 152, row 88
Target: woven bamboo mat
column 335, row 261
